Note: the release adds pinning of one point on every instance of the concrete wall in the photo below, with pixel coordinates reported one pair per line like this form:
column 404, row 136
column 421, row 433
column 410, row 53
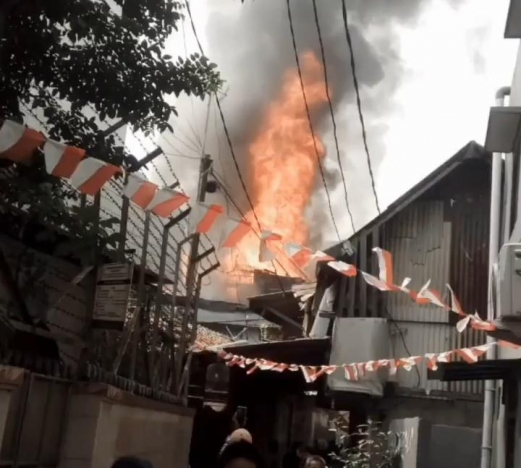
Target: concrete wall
column 442, row 411
column 425, row 445
column 105, row 423
column 10, row 379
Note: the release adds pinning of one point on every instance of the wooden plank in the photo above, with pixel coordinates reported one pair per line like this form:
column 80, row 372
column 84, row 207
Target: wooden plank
column 362, row 256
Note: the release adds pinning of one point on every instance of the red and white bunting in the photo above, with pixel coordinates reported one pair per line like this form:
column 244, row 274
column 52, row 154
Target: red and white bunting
column 385, row 265
column 345, row 268
column 203, row 217
column 355, row 371
column 432, row 296
column 376, row 282
column 61, row 160
column 299, row 255
column 139, row 190
column 266, row 254
column 91, row 175
column 233, row 231
column 314, row 260
column 455, row 305
column 309, row 373
column 17, row 142
column 166, row 201
column 471, row 355
column 462, row 324
column 350, row 372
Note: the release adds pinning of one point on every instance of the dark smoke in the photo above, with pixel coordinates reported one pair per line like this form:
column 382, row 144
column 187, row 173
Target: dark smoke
column 252, row 45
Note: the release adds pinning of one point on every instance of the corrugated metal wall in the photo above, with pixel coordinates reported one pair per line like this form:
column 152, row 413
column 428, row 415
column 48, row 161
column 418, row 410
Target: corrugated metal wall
column 431, row 239
column 420, row 242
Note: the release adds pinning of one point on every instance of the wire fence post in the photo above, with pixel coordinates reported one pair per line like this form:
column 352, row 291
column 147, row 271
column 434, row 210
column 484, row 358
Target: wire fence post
column 159, row 290
column 185, row 377
column 140, row 294
column 206, row 164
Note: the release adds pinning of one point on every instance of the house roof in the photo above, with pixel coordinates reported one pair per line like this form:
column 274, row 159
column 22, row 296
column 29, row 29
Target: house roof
column 245, row 319
column 471, row 151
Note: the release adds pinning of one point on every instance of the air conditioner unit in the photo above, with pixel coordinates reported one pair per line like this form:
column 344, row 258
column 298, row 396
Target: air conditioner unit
column 508, row 283
column 357, row 339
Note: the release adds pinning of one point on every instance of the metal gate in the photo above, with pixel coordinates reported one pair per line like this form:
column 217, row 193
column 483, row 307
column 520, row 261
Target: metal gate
column 35, row 422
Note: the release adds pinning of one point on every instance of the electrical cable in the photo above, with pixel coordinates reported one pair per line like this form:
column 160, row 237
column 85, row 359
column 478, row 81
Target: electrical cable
column 297, row 60
column 229, row 141
column 229, row 197
column 326, row 83
column 359, row 103
column 400, row 332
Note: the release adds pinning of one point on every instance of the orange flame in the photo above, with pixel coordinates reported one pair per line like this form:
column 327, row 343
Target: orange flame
column 283, row 163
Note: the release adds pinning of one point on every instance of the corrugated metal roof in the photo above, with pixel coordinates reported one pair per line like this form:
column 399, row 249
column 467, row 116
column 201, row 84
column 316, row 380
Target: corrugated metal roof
column 245, row 319
column 470, row 151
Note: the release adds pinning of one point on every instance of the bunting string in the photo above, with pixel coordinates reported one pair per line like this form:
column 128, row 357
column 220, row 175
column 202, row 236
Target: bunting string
column 18, row 144
column 357, row 370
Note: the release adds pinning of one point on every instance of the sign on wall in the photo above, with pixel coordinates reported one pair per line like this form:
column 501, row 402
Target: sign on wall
column 113, row 286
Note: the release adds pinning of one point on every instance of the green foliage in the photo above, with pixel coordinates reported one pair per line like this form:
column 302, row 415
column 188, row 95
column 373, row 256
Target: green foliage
column 78, row 66
column 370, row 447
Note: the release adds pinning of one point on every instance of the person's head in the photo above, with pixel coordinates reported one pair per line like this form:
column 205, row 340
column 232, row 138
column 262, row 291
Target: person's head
column 131, row 462
column 303, row 451
column 240, row 454
column 314, row 461
column 240, row 434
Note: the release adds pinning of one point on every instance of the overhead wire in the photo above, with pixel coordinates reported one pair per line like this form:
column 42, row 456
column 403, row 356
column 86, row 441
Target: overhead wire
column 222, row 184
column 225, row 126
column 308, row 114
column 330, row 104
column 359, row 103
column 229, row 141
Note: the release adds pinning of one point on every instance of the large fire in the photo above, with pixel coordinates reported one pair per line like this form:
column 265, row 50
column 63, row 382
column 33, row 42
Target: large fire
column 283, row 165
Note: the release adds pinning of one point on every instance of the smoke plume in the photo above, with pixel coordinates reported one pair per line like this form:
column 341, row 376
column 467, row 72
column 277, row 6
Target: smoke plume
column 252, row 44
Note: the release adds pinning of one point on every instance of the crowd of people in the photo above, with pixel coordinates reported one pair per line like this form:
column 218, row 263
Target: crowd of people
column 239, row 451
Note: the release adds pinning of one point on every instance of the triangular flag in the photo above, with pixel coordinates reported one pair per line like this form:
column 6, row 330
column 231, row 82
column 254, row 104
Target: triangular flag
column 18, row 142
column 376, row 282
column 345, row 268
column 432, row 296
column 265, row 252
column 203, row 217
column 463, row 323
column 139, row 190
column 299, row 255
column 385, row 265
column 314, row 260
column 91, row 175
column 166, row 201
column 455, row 305
column 61, row 160
column 233, row 231
column 309, row 373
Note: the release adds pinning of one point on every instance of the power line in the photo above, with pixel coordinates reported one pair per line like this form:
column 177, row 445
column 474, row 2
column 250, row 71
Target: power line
column 220, row 179
column 359, row 103
column 225, row 127
column 326, row 83
column 297, row 60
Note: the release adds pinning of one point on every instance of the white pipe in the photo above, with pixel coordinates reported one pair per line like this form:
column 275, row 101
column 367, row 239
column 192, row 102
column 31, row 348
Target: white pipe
column 495, row 232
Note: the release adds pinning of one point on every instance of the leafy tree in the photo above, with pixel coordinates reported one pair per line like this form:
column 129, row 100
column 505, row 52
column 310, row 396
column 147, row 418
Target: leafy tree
column 368, row 447
column 80, row 65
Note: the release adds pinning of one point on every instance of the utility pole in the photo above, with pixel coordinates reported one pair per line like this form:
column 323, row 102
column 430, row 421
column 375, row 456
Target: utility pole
column 191, row 274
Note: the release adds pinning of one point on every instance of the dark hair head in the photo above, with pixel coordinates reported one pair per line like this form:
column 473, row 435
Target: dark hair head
column 131, row 462
column 316, row 459
column 240, row 449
